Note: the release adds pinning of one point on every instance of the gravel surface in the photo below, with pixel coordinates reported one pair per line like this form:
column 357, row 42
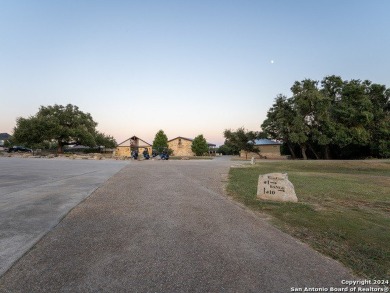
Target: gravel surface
column 166, row 226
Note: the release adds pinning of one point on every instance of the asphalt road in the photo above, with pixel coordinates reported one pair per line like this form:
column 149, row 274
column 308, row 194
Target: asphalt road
column 166, row 226
column 35, row 194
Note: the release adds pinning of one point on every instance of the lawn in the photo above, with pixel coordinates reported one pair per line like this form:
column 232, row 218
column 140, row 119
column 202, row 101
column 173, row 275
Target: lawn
column 343, row 209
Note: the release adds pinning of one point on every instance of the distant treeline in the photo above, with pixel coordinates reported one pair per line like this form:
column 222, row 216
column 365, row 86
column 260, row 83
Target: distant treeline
column 332, row 119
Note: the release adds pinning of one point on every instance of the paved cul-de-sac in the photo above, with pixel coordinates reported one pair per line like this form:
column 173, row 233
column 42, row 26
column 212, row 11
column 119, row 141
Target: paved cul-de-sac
column 167, row 226
column 36, row 193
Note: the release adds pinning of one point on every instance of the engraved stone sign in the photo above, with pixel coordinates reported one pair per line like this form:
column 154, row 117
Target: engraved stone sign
column 277, row 187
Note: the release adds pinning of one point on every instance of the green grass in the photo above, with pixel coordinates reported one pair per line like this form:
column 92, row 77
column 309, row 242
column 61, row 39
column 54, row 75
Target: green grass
column 343, row 209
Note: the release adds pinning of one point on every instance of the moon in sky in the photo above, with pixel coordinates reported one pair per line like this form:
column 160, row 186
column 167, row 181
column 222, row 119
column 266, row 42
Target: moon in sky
column 272, row 61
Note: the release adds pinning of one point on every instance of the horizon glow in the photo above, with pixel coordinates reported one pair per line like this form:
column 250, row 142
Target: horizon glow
column 187, row 68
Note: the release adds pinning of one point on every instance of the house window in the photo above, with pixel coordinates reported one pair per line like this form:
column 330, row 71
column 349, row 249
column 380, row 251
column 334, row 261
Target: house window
column 179, row 143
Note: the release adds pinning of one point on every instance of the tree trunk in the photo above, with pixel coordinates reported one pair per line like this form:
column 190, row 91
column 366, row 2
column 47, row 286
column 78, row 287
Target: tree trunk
column 60, row 147
column 327, row 153
column 314, row 152
column 291, row 151
column 303, row 151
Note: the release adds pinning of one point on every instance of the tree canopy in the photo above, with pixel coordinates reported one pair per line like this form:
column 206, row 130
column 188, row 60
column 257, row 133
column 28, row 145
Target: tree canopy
column 199, row 145
column 332, row 119
column 160, row 141
column 65, row 125
column 240, row 140
column 107, row 141
column 226, row 149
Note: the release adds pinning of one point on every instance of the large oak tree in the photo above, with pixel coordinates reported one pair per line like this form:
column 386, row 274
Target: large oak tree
column 343, row 119
column 66, row 125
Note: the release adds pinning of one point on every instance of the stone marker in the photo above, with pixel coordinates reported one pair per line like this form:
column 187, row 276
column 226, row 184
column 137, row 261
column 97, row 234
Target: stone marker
column 253, row 161
column 277, row 187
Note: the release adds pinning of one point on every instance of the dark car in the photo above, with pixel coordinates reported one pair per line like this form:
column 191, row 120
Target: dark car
column 17, row 148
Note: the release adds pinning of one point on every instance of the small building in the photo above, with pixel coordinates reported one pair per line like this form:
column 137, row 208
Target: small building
column 181, row 147
column 3, row 138
column 133, row 143
column 269, row 149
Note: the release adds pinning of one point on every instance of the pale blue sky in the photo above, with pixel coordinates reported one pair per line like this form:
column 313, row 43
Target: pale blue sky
column 187, row 67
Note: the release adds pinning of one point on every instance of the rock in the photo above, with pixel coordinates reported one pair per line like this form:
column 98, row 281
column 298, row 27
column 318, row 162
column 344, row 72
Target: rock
column 98, row 157
column 276, row 187
column 253, row 161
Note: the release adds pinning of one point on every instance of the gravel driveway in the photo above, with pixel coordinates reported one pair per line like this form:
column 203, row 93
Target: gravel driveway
column 166, row 226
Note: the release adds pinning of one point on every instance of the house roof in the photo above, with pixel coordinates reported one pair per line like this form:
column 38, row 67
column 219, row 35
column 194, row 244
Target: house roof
column 4, row 136
column 134, row 138
column 265, row 141
column 190, row 139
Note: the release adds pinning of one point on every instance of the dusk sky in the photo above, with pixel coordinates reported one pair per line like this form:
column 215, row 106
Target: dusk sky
column 187, row 67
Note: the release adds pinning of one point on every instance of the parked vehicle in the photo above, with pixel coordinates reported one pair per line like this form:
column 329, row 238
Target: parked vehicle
column 161, row 154
column 21, row 149
column 146, row 154
column 164, row 154
column 134, row 154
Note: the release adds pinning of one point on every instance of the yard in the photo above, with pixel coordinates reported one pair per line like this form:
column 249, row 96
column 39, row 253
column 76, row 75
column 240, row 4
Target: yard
column 343, row 209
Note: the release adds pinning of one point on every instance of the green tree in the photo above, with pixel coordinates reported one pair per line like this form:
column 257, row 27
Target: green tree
column 160, row 141
column 353, row 116
column 107, row 141
column 347, row 119
column 331, row 90
column 380, row 126
column 225, row 149
column 64, row 124
column 9, row 142
column 241, row 140
column 232, row 149
column 279, row 122
column 30, row 132
column 354, row 113
column 312, row 107
column 199, row 145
